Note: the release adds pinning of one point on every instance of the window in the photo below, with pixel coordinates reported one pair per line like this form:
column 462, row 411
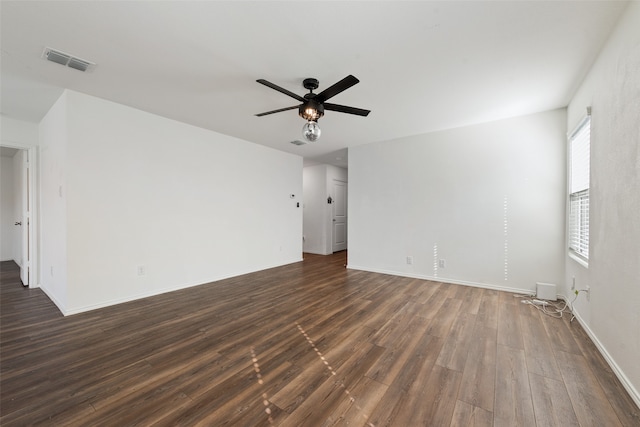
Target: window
column 579, row 152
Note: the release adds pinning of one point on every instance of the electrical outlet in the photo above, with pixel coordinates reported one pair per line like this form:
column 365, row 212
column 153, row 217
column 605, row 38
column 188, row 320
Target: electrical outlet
column 141, row 270
column 586, row 290
column 409, row 260
column 442, row 263
column 573, row 283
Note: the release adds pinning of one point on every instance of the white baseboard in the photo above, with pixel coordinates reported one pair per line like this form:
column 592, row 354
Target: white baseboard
column 53, row 299
column 445, row 280
column 635, row 395
column 154, row 292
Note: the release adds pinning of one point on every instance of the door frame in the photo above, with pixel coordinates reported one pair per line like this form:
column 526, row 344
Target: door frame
column 31, row 230
column 30, row 233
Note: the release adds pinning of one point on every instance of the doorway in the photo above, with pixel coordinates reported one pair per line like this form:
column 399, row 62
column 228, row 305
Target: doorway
column 324, row 229
column 17, row 210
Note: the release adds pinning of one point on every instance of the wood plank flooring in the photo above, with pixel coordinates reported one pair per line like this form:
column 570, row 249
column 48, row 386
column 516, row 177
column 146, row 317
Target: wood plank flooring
column 307, row 344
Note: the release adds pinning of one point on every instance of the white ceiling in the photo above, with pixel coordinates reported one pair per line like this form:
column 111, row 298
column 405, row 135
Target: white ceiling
column 422, row 65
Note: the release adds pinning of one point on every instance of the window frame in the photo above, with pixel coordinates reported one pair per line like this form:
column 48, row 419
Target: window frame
column 578, row 228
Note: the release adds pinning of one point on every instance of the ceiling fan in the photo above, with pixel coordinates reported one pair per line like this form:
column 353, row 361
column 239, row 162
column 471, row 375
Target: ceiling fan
column 313, row 104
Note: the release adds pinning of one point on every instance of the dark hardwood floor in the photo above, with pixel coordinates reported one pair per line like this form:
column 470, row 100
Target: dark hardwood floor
column 308, row 344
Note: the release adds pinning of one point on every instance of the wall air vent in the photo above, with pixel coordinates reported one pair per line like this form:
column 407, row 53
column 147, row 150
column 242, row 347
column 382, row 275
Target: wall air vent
column 67, row 60
column 298, row 142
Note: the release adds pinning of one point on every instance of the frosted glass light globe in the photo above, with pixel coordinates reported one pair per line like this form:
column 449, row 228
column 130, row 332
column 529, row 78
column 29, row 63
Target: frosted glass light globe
column 311, row 131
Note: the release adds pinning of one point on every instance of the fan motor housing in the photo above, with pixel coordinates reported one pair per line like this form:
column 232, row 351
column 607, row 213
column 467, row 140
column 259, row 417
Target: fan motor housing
column 311, row 110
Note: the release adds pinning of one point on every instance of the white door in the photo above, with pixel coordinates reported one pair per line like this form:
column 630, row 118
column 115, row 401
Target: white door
column 339, row 204
column 26, row 218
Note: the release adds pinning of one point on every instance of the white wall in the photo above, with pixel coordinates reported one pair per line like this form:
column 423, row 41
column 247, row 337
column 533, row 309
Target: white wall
column 53, row 206
column 488, row 199
column 184, row 204
column 7, row 209
column 318, row 186
column 612, row 89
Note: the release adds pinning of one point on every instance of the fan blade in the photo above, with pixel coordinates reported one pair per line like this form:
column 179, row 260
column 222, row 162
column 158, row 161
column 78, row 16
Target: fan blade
column 277, row 111
column 345, row 109
column 281, row 89
column 332, row 91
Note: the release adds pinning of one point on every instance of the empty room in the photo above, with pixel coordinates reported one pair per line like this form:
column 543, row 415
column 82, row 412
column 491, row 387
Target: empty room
column 314, row 213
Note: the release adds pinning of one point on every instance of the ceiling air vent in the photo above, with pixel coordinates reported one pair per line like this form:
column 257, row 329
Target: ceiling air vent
column 67, row 60
column 298, row 142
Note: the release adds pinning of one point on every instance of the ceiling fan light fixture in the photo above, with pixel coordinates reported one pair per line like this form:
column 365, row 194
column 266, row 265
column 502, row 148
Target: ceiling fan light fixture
column 313, row 105
column 311, row 111
column 311, row 131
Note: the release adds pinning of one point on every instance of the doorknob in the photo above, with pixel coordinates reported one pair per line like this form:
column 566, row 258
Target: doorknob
column 17, row 223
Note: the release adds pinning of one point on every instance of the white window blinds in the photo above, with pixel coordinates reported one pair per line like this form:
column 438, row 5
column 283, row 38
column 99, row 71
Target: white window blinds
column 580, row 152
column 580, row 147
column 579, row 223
